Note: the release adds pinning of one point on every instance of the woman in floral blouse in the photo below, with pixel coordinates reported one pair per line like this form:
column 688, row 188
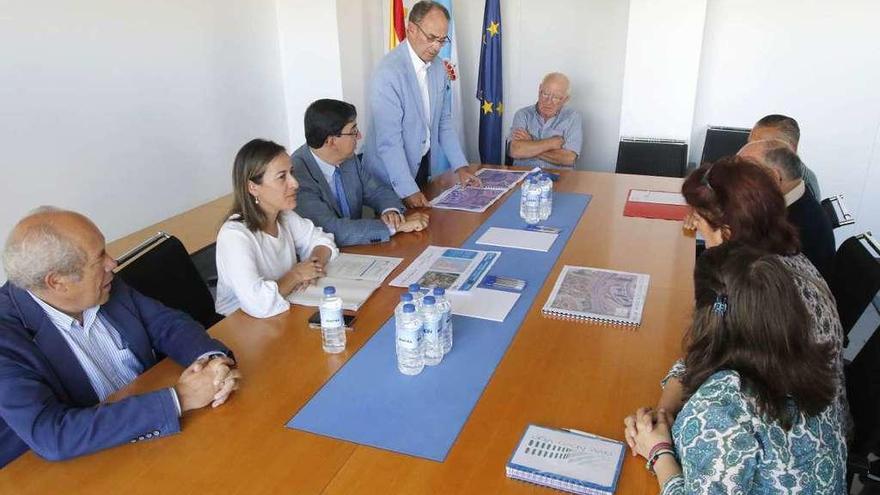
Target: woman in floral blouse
column 760, row 415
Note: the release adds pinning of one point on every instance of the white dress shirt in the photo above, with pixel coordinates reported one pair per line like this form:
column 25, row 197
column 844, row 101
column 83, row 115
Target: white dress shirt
column 249, row 263
column 421, row 68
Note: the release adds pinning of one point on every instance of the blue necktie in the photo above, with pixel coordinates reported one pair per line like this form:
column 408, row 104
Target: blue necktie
column 341, row 200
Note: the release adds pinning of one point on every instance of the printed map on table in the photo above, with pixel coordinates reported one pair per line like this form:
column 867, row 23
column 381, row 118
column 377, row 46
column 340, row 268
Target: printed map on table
column 593, row 293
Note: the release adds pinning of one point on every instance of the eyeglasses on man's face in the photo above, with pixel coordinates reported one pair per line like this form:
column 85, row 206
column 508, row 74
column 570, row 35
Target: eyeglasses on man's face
column 434, row 40
column 544, row 95
column 353, row 132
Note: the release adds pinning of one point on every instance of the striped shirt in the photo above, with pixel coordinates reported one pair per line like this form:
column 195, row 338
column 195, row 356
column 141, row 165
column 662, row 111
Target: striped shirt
column 98, row 347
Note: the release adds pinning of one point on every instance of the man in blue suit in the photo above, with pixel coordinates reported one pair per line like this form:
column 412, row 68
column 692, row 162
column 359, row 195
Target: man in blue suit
column 334, row 186
column 70, row 336
column 411, row 110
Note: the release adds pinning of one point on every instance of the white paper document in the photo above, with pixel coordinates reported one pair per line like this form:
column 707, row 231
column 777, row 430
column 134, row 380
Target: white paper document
column 486, row 304
column 658, row 197
column 518, row 238
column 454, row 269
column 362, row 267
column 355, row 277
column 354, row 293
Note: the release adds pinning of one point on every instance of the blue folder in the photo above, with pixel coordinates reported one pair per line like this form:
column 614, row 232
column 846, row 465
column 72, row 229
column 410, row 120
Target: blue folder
column 369, row 402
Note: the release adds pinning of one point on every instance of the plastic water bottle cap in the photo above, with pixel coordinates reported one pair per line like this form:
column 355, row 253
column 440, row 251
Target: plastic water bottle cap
column 429, row 300
column 415, row 287
column 409, row 308
column 406, row 297
column 329, row 290
column 439, row 291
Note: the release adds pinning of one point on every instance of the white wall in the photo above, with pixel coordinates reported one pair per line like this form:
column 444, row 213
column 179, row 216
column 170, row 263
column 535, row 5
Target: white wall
column 310, row 59
column 361, row 47
column 132, row 113
column 664, row 40
column 817, row 61
column 585, row 39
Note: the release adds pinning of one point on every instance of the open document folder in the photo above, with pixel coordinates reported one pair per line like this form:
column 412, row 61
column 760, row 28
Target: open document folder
column 355, row 277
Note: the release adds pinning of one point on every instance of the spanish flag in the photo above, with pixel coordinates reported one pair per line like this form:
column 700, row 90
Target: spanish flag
column 396, row 26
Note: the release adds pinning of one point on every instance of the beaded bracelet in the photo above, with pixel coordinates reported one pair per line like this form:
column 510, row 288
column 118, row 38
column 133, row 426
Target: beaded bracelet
column 653, row 460
column 658, row 446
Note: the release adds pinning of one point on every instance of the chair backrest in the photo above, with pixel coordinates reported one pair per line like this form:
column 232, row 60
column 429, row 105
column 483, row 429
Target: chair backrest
column 863, row 392
column 723, row 141
column 855, row 279
column 161, row 268
column 837, row 211
column 663, row 157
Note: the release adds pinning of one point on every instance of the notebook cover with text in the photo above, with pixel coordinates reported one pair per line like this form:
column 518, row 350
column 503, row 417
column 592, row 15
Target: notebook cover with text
column 567, row 460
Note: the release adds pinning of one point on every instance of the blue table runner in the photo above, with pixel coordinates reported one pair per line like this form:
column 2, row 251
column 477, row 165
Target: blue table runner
column 369, row 402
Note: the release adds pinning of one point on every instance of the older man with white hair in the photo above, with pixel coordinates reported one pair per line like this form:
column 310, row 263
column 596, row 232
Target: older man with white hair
column 547, row 134
column 71, row 335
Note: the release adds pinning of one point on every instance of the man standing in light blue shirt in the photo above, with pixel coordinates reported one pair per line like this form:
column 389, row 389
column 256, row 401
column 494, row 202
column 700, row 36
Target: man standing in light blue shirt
column 412, row 110
column 547, row 134
column 334, row 186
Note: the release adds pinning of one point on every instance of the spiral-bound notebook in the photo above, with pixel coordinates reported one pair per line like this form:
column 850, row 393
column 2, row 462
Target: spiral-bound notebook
column 595, row 294
column 567, row 460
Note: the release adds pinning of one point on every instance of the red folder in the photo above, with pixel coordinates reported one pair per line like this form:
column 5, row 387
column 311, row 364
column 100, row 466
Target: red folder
column 654, row 210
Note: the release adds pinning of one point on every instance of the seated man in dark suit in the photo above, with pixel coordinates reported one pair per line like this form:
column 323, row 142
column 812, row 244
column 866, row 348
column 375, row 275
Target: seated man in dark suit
column 70, row 336
column 786, row 129
column 334, row 186
column 804, row 210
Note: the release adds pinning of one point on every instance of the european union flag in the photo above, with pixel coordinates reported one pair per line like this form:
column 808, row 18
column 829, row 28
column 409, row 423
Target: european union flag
column 489, row 88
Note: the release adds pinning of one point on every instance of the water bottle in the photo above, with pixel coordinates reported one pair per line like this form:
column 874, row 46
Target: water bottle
column 546, row 196
column 405, row 298
column 332, row 327
column 410, row 344
column 530, row 201
column 431, row 320
column 416, row 291
column 445, row 308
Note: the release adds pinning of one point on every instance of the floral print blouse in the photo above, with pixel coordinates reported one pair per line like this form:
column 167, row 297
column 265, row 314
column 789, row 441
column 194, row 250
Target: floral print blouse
column 726, row 447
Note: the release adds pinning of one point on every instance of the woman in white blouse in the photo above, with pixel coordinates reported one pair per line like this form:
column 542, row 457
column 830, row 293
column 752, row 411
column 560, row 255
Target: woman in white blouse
column 265, row 251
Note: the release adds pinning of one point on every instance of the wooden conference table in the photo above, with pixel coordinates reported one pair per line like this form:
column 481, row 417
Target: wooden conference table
column 555, row 373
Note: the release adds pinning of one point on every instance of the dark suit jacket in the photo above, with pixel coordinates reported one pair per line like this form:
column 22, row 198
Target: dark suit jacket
column 814, row 227
column 316, row 202
column 46, row 400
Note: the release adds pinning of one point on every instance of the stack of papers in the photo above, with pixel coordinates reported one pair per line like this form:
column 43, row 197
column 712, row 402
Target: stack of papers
column 355, row 277
column 516, row 238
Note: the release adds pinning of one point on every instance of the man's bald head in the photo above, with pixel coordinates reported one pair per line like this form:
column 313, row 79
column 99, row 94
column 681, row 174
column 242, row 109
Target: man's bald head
column 48, row 240
column 777, row 155
column 777, row 126
column 557, row 80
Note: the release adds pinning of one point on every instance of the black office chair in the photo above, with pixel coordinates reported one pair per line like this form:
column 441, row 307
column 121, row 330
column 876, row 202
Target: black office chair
column 863, row 394
column 161, row 268
column 508, row 160
column 663, row 157
column 855, row 278
column 723, row 141
column 837, row 211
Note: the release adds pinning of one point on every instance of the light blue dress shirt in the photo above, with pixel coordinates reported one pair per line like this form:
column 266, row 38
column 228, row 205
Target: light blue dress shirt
column 567, row 123
column 99, row 348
